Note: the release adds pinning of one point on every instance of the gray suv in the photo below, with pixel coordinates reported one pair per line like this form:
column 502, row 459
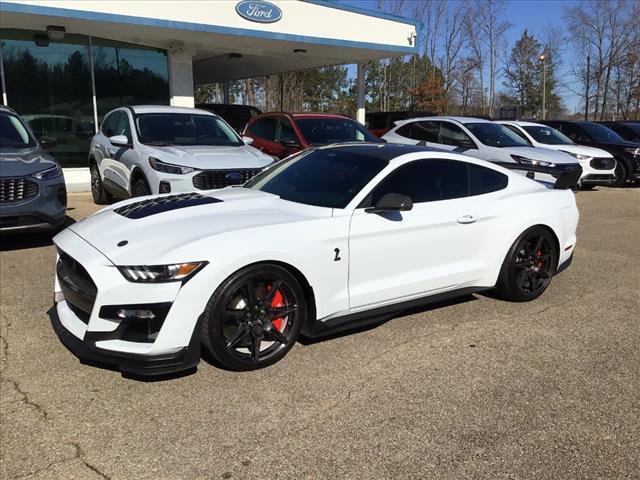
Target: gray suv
column 32, row 191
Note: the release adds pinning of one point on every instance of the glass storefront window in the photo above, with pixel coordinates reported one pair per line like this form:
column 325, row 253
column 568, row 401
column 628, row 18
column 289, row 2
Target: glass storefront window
column 49, row 84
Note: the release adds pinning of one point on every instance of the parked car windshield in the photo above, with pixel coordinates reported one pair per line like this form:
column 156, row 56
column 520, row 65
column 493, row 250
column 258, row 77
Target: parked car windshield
column 323, row 131
column 547, row 135
column 600, row 133
column 165, row 129
column 324, row 178
column 13, row 133
column 495, row 135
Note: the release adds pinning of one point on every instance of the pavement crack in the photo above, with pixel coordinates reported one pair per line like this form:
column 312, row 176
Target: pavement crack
column 55, row 462
column 5, row 346
column 82, row 457
column 27, row 400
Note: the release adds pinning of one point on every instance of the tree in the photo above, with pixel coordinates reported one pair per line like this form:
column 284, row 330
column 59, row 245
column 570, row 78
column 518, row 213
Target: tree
column 429, row 95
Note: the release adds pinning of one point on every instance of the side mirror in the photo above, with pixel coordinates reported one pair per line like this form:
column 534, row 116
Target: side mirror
column 289, row 143
column 391, row 202
column 467, row 145
column 247, row 140
column 47, row 143
column 119, row 140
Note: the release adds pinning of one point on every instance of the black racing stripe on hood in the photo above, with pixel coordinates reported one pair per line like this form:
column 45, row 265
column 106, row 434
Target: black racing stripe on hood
column 153, row 206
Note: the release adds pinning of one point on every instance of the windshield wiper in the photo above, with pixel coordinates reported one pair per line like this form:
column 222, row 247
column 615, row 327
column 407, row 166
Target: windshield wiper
column 160, row 144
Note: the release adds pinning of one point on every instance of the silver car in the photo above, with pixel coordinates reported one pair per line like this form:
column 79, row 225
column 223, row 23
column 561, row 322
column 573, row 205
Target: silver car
column 32, row 190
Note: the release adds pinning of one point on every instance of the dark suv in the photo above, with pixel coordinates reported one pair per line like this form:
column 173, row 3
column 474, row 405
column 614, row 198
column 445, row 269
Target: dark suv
column 283, row 134
column 235, row 115
column 32, row 190
column 627, row 154
column 627, row 129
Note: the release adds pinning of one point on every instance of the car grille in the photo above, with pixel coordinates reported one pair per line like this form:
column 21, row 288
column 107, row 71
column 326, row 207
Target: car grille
column 17, row 189
column 602, row 163
column 77, row 286
column 209, row 179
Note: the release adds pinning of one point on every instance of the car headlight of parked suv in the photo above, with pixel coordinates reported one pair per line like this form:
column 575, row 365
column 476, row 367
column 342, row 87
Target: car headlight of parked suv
column 531, row 161
column 179, row 272
column 578, row 156
column 48, row 174
column 164, row 167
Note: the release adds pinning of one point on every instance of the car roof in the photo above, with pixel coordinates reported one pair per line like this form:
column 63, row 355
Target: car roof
column 522, row 123
column 462, row 120
column 393, row 151
column 318, row 115
column 140, row 109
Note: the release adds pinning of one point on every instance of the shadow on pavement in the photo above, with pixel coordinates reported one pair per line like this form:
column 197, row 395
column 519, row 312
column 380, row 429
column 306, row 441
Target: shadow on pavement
column 22, row 241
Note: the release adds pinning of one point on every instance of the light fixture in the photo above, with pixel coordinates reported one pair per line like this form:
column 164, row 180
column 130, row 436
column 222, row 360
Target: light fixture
column 300, row 51
column 55, row 32
column 234, row 56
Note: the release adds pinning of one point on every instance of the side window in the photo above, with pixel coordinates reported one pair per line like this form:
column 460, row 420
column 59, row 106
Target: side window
column 484, row 180
column 405, row 130
column 451, row 134
column 286, row 131
column 426, row 181
column 423, row 131
column 265, row 128
column 574, row 133
column 106, row 127
column 119, row 124
column 518, row 132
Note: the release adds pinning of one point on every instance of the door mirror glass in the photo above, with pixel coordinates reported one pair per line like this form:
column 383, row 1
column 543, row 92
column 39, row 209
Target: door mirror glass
column 247, row 140
column 391, row 202
column 119, row 140
column 289, row 143
column 47, row 143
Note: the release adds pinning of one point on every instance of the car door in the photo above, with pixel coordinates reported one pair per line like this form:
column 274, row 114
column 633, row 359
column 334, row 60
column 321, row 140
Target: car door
column 263, row 132
column 431, row 248
column 118, row 160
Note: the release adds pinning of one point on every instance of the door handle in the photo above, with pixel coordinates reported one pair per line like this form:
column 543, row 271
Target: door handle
column 465, row 219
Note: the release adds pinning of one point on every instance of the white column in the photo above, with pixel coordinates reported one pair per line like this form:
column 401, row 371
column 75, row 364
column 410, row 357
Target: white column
column 180, row 63
column 361, row 95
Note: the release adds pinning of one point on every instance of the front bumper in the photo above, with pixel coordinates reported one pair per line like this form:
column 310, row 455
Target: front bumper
column 87, row 325
column 598, row 179
column 45, row 211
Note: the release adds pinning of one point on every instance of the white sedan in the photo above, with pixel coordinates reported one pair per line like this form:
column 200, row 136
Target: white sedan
column 325, row 240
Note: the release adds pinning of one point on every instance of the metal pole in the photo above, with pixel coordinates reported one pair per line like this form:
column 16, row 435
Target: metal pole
column 4, row 86
column 360, row 106
column 544, row 87
column 93, row 87
column 586, row 93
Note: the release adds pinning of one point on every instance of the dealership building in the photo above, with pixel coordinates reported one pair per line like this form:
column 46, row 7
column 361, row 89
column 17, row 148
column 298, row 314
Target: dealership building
column 64, row 63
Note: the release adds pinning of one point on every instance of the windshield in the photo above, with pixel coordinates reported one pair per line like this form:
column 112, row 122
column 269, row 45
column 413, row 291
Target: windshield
column 600, row 133
column 164, row 129
column 495, row 135
column 13, row 133
column 323, row 131
column 547, row 135
column 324, row 178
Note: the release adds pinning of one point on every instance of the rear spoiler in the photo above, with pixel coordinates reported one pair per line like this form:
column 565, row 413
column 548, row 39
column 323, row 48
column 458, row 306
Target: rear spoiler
column 567, row 176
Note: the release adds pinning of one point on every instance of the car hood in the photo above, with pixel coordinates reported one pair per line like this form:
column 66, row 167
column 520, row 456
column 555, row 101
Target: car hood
column 583, row 150
column 167, row 233
column 25, row 161
column 205, row 157
column 544, row 154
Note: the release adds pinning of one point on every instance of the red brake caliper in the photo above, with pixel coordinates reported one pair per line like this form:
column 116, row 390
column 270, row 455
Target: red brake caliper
column 540, row 263
column 277, row 302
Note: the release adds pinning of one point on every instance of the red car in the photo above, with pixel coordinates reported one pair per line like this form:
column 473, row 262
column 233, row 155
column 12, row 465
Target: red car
column 282, row 134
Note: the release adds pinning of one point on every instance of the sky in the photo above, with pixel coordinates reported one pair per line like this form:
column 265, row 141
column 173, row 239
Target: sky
column 536, row 16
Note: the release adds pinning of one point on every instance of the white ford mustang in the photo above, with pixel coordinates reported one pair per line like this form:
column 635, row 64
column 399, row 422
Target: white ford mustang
column 321, row 242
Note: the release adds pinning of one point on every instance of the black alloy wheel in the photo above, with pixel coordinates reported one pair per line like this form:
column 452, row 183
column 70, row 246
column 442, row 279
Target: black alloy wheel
column 620, row 174
column 529, row 266
column 140, row 188
column 99, row 194
column 254, row 317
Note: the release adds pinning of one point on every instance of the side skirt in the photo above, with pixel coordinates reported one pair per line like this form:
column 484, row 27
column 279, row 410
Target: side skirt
column 377, row 315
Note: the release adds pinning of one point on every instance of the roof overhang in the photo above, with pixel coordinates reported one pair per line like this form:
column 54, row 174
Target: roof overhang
column 323, row 32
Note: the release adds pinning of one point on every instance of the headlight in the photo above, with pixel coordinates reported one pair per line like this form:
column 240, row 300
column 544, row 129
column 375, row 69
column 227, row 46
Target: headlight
column 49, row 173
column 579, row 156
column 633, row 151
column 164, row 167
column 178, row 272
column 531, row 161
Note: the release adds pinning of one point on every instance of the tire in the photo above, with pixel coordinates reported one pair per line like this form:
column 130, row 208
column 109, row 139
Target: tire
column 140, row 188
column 621, row 174
column 242, row 336
column 99, row 194
column 529, row 266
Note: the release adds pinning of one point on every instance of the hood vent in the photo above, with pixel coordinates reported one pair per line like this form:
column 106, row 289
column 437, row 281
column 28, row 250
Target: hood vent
column 153, row 206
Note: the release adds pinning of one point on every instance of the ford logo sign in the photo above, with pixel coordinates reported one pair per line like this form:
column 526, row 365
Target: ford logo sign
column 234, row 177
column 257, row 11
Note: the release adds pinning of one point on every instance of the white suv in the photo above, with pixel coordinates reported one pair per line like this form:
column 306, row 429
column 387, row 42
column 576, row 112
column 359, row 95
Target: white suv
column 145, row 150
column 482, row 139
column 598, row 166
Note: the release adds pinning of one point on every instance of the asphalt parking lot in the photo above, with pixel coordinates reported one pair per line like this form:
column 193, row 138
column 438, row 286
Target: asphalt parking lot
column 477, row 388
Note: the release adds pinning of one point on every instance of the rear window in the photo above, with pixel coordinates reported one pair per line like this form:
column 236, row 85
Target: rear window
column 323, row 131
